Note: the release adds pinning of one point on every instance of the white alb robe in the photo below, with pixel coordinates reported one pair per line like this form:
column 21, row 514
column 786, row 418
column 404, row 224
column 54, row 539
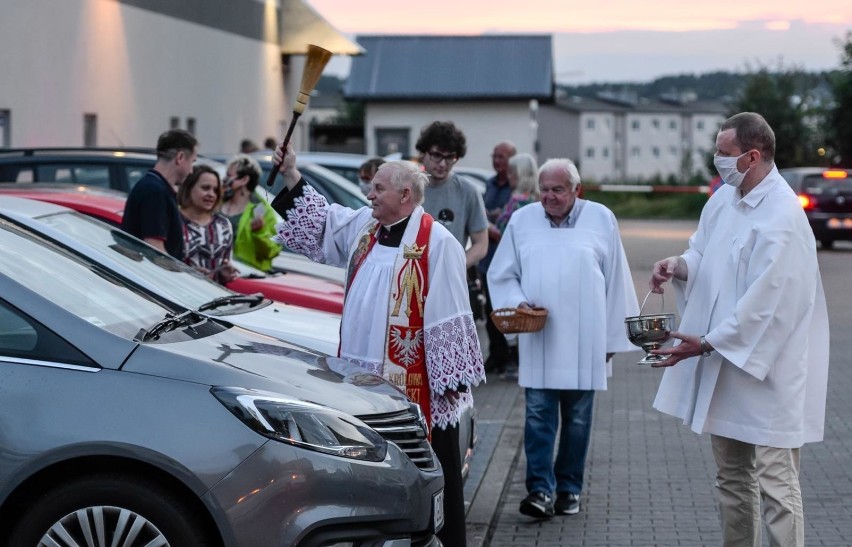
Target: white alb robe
column 580, row 275
column 753, row 286
column 328, row 234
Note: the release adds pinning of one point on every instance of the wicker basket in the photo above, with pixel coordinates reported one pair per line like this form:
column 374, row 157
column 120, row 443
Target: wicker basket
column 513, row 320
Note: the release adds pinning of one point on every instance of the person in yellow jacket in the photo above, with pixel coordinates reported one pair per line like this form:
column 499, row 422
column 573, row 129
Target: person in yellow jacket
column 251, row 216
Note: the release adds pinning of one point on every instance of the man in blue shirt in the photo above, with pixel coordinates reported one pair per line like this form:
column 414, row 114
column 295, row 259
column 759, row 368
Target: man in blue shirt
column 497, row 193
column 151, row 212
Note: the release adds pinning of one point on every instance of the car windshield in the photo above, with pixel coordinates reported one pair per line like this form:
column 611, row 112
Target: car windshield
column 174, row 279
column 75, row 286
column 817, row 184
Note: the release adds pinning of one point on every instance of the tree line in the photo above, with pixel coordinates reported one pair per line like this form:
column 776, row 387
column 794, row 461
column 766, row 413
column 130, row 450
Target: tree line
column 811, row 112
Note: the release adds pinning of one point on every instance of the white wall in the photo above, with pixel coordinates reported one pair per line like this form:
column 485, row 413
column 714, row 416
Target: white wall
column 134, row 69
column 483, row 124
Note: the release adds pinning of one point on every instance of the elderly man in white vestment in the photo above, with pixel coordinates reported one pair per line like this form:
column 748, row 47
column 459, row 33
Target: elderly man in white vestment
column 406, row 315
column 752, row 362
column 563, row 254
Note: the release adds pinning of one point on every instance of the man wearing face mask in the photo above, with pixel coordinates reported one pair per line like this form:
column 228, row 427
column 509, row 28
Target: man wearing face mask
column 752, row 361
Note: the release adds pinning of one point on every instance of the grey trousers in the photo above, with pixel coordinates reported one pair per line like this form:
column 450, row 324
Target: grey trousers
column 747, row 473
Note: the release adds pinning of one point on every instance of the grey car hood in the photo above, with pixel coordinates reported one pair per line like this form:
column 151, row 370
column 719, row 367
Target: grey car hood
column 240, row 358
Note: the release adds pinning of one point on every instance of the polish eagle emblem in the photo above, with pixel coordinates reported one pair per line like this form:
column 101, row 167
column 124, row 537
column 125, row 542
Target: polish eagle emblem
column 405, row 344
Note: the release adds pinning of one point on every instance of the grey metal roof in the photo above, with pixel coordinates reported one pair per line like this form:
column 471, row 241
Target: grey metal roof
column 489, row 67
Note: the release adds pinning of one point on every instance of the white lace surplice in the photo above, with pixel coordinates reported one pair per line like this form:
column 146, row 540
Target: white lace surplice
column 367, row 315
column 326, row 233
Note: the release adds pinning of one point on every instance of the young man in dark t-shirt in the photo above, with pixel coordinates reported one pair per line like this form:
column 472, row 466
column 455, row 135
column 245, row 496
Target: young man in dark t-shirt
column 151, row 212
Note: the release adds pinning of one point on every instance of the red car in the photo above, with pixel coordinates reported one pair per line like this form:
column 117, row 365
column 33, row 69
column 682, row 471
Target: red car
column 108, row 206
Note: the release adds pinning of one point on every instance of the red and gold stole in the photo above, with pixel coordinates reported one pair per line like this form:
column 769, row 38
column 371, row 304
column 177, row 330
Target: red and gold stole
column 405, row 353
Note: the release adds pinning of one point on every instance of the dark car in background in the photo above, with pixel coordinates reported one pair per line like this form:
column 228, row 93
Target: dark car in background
column 116, row 168
column 826, row 197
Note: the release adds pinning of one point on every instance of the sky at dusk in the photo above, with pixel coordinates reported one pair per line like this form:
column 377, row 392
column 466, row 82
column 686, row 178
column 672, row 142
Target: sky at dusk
column 623, row 40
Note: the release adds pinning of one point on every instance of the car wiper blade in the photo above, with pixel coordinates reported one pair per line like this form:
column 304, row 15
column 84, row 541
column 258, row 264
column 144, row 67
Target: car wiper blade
column 253, row 299
column 167, row 323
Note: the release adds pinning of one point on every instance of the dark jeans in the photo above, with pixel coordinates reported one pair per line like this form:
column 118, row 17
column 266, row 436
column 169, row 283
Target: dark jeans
column 543, row 410
column 498, row 349
column 445, row 443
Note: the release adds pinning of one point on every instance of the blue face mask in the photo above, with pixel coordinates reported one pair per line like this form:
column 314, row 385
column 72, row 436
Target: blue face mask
column 727, row 169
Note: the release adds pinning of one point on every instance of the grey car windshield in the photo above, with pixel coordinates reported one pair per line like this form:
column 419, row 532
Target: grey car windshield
column 175, row 280
column 74, row 286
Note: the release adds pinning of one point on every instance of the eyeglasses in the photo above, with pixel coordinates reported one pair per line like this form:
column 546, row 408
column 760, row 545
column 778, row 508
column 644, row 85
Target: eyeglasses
column 437, row 157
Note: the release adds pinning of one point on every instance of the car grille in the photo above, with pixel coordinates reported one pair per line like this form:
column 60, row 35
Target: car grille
column 404, row 429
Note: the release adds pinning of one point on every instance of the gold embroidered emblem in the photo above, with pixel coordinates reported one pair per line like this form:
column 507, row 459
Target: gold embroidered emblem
column 409, row 285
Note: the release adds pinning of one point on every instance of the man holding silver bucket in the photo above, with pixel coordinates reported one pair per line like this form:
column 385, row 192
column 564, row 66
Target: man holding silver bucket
column 563, row 254
column 752, row 362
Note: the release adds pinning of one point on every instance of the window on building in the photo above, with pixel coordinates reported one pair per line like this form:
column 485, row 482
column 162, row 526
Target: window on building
column 90, row 130
column 635, row 152
column 190, row 125
column 5, row 128
column 656, row 123
column 174, row 122
column 605, row 152
column 673, row 150
column 635, row 125
column 699, row 124
column 655, row 151
column 590, row 123
column 590, row 152
column 672, row 124
column 391, row 140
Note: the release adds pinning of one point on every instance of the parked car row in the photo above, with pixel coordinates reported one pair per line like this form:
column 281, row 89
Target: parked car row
column 120, row 168
column 131, row 419
column 108, row 205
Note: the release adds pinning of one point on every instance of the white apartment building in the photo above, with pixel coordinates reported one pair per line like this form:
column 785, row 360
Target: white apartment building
column 622, row 141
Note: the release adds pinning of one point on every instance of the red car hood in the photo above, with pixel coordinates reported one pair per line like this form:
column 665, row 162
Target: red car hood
column 293, row 288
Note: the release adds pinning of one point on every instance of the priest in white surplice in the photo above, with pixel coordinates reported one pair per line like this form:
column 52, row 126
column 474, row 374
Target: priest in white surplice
column 407, row 313
column 752, row 362
column 563, row 254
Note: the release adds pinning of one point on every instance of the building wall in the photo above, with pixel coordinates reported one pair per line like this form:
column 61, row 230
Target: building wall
column 136, row 69
column 629, row 146
column 558, row 134
column 483, row 123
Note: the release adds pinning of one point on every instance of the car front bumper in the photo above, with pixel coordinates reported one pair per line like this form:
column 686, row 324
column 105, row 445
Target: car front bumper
column 283, row 495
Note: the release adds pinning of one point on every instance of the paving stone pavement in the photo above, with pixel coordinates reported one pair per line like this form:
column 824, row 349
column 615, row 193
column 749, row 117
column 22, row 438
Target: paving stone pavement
column 649, row 479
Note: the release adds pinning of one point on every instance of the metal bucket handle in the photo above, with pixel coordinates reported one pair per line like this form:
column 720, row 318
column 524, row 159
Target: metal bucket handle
column 662, row 302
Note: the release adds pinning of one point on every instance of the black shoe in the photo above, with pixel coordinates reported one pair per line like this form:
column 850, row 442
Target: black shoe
column 567, row 503
column 495, row 365
column 537, row 505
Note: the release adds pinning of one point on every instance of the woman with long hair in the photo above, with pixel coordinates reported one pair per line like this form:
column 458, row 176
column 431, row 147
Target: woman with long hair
column 208, row 238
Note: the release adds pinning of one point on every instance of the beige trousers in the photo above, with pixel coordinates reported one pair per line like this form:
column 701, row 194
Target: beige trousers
column 745, row 474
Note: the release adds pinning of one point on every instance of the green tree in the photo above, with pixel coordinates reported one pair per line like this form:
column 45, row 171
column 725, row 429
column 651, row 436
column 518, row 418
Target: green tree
column 839, row 116
column 784, row 99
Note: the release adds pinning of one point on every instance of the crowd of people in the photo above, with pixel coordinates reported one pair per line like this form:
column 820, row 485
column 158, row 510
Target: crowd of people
column 749, row 366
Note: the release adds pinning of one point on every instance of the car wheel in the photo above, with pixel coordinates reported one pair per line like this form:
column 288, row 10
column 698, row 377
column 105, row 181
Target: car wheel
column 826, row 243
column 109, row 509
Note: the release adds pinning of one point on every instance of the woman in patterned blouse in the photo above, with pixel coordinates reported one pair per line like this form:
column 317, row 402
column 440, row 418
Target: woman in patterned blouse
column 208, row 237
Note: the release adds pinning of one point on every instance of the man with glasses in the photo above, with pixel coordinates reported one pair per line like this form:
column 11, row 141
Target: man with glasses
column 151, row 212
column 450, row 199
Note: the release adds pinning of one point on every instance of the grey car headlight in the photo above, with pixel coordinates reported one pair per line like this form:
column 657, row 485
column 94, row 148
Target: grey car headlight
column 303, row 424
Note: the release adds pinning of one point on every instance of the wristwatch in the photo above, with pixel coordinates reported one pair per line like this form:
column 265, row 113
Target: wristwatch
column 704, row 347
